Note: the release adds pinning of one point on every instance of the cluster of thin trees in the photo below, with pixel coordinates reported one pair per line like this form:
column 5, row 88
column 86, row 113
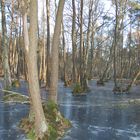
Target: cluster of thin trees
column 88, row 41
column 24, row 46
column 105, row 43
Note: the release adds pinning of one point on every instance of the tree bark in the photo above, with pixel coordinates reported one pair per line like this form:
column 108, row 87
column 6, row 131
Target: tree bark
column 64, row 54
column 48, row 43
column 31, row 57
column 74, row 73
column 115, row 43
column 54, row 54
column 85, row 77
column 5, row 56
column 81, row 43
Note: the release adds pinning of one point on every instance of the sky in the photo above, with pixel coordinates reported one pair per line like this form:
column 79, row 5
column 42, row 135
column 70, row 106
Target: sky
column 40, row 5
column 107, row 7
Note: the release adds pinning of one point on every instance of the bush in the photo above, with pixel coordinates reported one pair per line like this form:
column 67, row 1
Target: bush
column 57, row 124
column 77, row 88
column 16, row 83
column 67, row 83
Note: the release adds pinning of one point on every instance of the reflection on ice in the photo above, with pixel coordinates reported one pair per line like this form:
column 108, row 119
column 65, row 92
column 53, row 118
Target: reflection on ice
column 101, row 115
column 134, row 138
column 10, row 115
column 120, row 132
column 98, row 116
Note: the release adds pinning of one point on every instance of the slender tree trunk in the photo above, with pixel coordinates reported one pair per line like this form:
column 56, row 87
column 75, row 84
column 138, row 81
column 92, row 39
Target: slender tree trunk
column 48, row 43
column 92, row 52
column 44, row 49
column 54, row 54
column 115, row 44
column 40, row 62
column 81, row 44
column 5, row 56
column 74, row 73
column 64, row 54
column 120, row 7
column 31, row 57
column 129, row 53
column 85, row 77
column 20, row 52
column 15, row 57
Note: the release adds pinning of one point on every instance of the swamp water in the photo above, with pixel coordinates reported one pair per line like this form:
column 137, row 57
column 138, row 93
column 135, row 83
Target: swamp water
column 101, row 115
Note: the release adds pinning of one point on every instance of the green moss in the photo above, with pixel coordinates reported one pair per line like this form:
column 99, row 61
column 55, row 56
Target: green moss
column 122, row 106
column 16, row 83
column 79, row 91
column 77, row 88
column 16, row 98
column 67, row 122
column 52, row 132
column 31, row 134
column 51, row 106
column 56, row 122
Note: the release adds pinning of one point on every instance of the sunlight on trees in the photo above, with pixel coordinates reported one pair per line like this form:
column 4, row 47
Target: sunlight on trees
column 73, row 41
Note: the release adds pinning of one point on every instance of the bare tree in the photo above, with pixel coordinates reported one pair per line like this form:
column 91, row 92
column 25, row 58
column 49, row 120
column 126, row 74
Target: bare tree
column 54, row 53
column 48, row 42
column 31, row 59
column 5, row 52
column 86, row 52
column 74, row 69
column 81, row 43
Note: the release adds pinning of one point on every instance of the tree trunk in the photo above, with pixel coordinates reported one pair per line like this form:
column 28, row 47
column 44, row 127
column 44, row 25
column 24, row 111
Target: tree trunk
column 115, row 44
column 74, row 73
column 5, row 56
column 54, row 54
column 48, row 43
column 44, row 49
column 81, row 43
column 64, row 54
column 31, row 57
column 85, row 77
column 92, row 52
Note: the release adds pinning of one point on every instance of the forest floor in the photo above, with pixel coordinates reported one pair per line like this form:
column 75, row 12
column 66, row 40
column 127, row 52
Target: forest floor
column 100, row 115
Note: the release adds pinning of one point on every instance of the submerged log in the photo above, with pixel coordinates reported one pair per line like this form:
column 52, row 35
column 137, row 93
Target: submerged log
column 9, row 91
column 14, row 97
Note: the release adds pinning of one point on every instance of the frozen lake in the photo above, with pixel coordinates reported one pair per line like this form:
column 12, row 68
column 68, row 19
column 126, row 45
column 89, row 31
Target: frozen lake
column 101, row 115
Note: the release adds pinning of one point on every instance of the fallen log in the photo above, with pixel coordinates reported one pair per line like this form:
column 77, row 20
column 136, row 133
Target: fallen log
column 15, row 97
